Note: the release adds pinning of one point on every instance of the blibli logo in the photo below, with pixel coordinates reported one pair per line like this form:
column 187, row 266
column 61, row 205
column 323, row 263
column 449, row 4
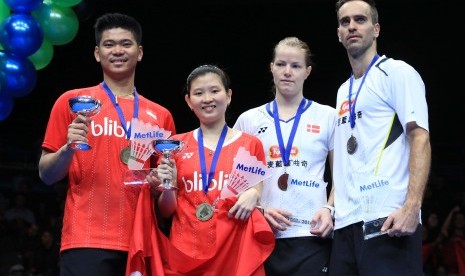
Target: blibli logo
column 196, row 183
column 108, row 128
column 111, row 127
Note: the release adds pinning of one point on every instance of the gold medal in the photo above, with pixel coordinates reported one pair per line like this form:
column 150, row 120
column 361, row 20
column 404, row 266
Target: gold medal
column 282, row 181
column 204, row 212
column 352, row 145
column 124, row 155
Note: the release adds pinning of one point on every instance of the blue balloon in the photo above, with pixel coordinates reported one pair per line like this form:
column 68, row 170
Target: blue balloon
column 21, row 35
column 19, row 75
column 23, row 6
column 2, row 72
column 6, row 106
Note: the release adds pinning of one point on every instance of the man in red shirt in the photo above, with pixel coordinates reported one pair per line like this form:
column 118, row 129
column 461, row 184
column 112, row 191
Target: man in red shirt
column 100, row 209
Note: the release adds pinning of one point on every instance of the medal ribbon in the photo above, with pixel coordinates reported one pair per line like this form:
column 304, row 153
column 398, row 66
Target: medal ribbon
column 206, row 179
column 118, row 108
column 286, row 151
column 352, row 108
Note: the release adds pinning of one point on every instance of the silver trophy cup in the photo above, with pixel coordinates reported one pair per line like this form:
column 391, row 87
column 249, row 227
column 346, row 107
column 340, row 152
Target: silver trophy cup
column 166, row 148
column 87, row 106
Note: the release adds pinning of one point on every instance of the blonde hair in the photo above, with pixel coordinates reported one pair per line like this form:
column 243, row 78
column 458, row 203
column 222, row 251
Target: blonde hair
column 297, row 43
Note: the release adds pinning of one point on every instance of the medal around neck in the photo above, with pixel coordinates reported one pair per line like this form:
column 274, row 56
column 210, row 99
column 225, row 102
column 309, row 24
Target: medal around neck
column 87, row 106
column 204, row 212
column 352, row 142
column 352, row 145
column 282, row 181
column 124, row 155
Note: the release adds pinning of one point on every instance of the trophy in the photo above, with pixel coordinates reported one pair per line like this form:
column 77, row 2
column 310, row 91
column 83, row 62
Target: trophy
column 167, row 147
column 140, row 149
column 372, row 228
column 87, row 106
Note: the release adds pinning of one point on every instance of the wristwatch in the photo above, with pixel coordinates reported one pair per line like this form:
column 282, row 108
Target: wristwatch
column 330, row 208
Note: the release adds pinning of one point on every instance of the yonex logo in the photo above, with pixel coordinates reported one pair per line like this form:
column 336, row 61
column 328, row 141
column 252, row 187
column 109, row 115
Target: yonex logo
column 262, row 130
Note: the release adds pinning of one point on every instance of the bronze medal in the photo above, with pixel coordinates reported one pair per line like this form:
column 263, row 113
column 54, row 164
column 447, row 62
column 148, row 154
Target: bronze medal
column 204, row 212
column 352, row 145
column 282, row 181
column 125, row 154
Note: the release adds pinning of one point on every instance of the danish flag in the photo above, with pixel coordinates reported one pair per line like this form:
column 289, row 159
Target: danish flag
column 313, row 128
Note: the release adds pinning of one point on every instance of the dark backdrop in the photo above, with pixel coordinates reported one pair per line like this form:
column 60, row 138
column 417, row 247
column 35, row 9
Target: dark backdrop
column 238, row 36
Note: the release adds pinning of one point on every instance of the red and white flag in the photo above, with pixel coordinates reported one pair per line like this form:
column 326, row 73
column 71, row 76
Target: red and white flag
column 313, row 128
column 241, row 246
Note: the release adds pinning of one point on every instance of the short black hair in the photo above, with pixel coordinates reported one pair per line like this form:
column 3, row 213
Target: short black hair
column 117, row 20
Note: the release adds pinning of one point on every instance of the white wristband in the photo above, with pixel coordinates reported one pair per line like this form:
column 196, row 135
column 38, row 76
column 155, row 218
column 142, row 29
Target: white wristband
column 330, row 208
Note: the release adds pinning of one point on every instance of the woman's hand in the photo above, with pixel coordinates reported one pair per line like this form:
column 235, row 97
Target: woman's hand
column 278, row 219
column 165, row 170
column 246, row 203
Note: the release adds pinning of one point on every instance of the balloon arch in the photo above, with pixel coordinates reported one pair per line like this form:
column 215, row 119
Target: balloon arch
column 29, row 29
